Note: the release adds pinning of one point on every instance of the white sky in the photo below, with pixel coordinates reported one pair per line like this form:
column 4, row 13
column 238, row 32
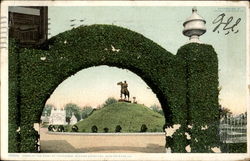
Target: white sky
column 94, row 85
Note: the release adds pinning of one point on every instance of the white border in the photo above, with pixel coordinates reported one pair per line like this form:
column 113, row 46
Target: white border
column 111, row 156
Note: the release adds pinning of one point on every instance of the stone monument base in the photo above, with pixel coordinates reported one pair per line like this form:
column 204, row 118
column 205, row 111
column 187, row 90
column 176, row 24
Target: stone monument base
column 123, row 100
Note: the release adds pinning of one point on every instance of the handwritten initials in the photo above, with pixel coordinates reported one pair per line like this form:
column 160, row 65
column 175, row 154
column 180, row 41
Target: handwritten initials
column 228, row 26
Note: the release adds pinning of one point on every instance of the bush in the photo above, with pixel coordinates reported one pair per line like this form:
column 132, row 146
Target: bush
column 74, row 128
column 144, row 128
column 94, row 129
column 109, row 101
column 118, row 128
column 51, row 127
column 106, row 129
column 60, row 128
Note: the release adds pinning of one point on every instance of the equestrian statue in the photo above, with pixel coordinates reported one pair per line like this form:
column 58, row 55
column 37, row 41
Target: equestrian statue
column 124, row 90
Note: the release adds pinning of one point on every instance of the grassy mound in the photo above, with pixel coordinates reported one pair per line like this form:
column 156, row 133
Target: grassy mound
column 129, row 116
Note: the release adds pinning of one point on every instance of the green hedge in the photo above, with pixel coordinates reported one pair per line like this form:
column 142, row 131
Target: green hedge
column 41, row 71
column 14, row 117
column 201, row 64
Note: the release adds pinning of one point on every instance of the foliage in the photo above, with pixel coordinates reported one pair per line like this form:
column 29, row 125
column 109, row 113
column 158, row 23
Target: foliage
column 74, row 128
column 68, row 119
column 29, row 139
column 86, row 111
column 71, row 109
column 129, row 116
column 118, row 128
column 67, row 128
column 144, row 128
column 234, row 147
column 110, row 101
column 224, row 112
column 94, row 129
column 157, row 108
column 14, row 98
column 186, row 84
column 106, row 129
column 60, row 128
column 47, row 109
column 50, row 127
column 201, row 64
column 180, row 145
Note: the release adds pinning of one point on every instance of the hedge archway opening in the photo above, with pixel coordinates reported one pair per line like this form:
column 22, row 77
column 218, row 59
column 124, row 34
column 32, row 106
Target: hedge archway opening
column 101, row 89
column 102, row 80
column 147, row 83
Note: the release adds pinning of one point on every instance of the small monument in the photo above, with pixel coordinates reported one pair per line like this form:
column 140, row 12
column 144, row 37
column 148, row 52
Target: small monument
column 124, row 91
column 194, row 27
column 134, row 100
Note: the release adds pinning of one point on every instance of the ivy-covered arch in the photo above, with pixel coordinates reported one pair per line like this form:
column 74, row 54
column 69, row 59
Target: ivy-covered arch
column 39, row 72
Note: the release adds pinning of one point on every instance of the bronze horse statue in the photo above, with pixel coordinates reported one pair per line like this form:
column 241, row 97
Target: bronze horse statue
column 124, row 89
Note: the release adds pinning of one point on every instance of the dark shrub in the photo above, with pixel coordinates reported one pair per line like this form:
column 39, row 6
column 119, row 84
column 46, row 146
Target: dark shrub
column 106, row 129
column 94, row 129
column 74, row 128
column 60, row 128
column 118, row 128
column 144, row 128
column 50, row 128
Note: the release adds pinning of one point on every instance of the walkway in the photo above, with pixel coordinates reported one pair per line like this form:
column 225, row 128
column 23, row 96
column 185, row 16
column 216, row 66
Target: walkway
column 52, row 143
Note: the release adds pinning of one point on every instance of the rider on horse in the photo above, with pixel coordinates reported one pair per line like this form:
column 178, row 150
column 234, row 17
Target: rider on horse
column 124, row 89
column 125, row 85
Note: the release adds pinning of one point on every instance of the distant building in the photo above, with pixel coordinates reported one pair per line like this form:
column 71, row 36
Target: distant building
column 73, row 120
column 28, row 25
column 57, row 117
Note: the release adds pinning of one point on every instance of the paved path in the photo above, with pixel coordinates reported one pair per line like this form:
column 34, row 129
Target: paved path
column 51, row 143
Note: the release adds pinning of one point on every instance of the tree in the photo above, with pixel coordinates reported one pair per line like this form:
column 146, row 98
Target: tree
column 86, row 111
column 68, row 119
column 98, row 107
column 224, row 112
column 110, row 101
column 47, row 109
column 73, row 108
